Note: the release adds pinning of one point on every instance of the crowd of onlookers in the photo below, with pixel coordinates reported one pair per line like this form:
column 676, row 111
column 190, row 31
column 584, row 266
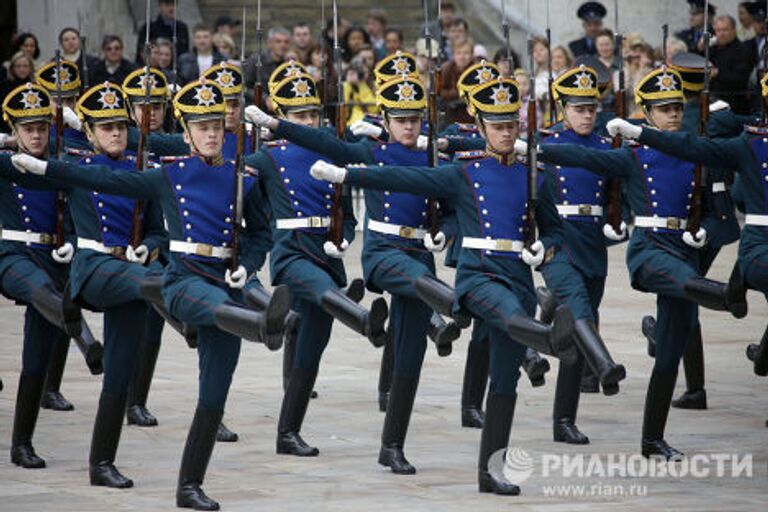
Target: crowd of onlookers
column 736, row 51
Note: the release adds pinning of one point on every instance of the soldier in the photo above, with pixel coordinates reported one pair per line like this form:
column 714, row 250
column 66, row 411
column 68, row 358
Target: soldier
column 577, row 271
column 200, row 287
column 693, row 36
column 303, row 258
column 591, row 14
column 662, row 256
column 724, row 228
column 493, row 280
column 230, row 80
column 34, row 265
column 74, row 141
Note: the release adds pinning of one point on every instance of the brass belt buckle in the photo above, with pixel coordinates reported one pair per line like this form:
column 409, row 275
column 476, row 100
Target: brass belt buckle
column 315, row 222
column 117, row 251
column 406, row 231
column 204, row 250
column 47, row 239
column 585, row 209
column 673, row 223
column 504, row 245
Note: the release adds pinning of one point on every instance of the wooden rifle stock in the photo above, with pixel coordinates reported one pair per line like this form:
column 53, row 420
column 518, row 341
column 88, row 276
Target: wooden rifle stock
column 137, row 224
column 432, row 152
column 258, row 94
column 613, row 206
column 694, row 213
column 237, row 220
column 533, row 182
column 336, row 227
column 60, row 199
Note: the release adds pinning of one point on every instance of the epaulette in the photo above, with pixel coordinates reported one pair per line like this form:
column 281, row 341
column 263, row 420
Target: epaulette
column 606, row 140
column 470, row 155
column 170, row 159
column 633, row 144
column 276, row 143
column 756, row 130
column 547, row 132
column 253, row 171
column 7, row 152
column 78, row 152
column 466, row 127
column 444, row 156
column 522, row 160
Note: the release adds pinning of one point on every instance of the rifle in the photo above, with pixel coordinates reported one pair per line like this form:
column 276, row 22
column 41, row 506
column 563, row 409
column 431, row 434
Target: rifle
column 258, row 89
column 142, row 153
column 336, row 227
column 551, row 77
column 86, row 85
column 432, row 149
column 237, row 218
column 532, row 161
column 694, row 213
column 174, row 56
column 664, row 38
column 613, row 206
column 324, row 71
column 57, row 147
column 765, row 68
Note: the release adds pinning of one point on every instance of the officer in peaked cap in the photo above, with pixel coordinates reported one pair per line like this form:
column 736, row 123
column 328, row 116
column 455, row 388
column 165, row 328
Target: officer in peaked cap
column 692, row 36
column 591, row 14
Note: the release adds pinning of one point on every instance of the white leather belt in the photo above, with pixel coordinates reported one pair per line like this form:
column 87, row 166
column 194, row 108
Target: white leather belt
column 580, row 209
column 86, row 243
column 11, row 235
column 661, row 222
column 718, row 186
column 397, row 230
column 210, row 251
column 306, row 222
column 756, row 220
column 485, row 244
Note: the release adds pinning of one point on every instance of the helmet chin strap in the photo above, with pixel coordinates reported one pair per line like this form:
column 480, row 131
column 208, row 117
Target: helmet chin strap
column 22, row 147
column 504, row 158
column 215, row 161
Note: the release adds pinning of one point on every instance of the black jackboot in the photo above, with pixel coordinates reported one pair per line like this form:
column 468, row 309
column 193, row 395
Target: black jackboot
column 151, row 289
column 106, row 437
column 440, row 297
column 730, row 296
column 535, row 367
column 443, row 334
column 567, row 393
column 552, row 339
column 657, row 401
column 500, row 410
column 396, row 423
column 368, row 323
column 194, row 461
column 138, row 390
column 598, row 358
column 24, row 421
column 475, row 382
column 648, row 327
column 695, row 396
column 90, row 347
column 547, row 303
column 52, row 397
column 385, row 371
column 224, row 435
column 260, row 326
column 758, row 354
column 292, row 413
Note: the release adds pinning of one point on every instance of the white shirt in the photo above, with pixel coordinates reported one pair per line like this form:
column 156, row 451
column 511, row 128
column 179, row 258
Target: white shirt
column 204, row 62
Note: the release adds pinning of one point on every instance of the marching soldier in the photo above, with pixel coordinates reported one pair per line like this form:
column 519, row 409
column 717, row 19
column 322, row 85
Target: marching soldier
column 34, row 265
column 303, row 258
column 230, row 80
column 200, row 287
column 662, row 255
column 493, row 280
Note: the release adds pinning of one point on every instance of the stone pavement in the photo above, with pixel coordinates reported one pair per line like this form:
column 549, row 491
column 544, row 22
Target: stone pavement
column 345, row 424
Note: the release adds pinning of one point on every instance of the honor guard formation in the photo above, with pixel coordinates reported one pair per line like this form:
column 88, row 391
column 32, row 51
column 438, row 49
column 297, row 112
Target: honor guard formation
column 154, row 192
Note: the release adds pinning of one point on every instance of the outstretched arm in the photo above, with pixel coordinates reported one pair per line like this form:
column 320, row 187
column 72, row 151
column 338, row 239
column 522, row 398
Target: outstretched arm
column 700, row 150
column 138, row 185
column 26, row 180
column 609, row 163
column 444, row 181
column 324, row 142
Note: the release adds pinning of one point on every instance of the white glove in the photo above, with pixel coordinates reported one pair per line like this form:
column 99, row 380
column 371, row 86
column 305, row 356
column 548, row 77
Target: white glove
column 322, row 170
column 71, row 119
column 422, row 142
column 63, row 254
column 436, row 244
column 27, row 163
column 138, row 255
column 610, row 234
column 718, row 105
column 335, row 252
column 624, row 128
column 237, row 278
column 698, row 241
column 534, row 256
column 366, row 128
column 521, row 147
column 257, row 116
column 3, row 139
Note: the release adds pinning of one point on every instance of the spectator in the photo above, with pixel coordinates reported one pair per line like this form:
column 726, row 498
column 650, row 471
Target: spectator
column 227, row 26
column 562, row 60
column 606, row 51
column 458, row 33
column 746, row 30
column 114, row 68
column 70, row 42
column 455, row 110
column 500, row 59
column 376, row 26
column 278, row 41
column 27, row 43
column 359, row 88
column 316, row 62
column 203, row 56
column 591, row 14
column 301, row 39
column 639, row 62
column 225, row 45
column 439, row 28
column 422, row 59
column 162, row 58
column 675, row 46
column 354, row 40
column 393, row 41
column 163, row 27
column 541, row 66
column 734, row 62
column 756, row 44
column 692, row 36
column 21, row 69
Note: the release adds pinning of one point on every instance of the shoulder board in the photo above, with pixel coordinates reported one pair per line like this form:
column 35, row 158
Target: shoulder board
column 755, row 130
column 470, row 155
column 251, row 170
column 547, row 132
column 633, row 144
column 6, row 152
column 606, row 140
column 466, row 127
column 171, row 159
column 522, row 160
column 78, row 152
column 444, row 156
column 276, row 143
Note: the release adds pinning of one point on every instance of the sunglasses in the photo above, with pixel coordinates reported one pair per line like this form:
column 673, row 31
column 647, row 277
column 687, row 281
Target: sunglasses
column 113, row 48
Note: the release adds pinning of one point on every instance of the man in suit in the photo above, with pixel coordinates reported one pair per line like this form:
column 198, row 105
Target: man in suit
column 692, row 35
column 202, row 57
column 591, row 14
column 162, row 27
